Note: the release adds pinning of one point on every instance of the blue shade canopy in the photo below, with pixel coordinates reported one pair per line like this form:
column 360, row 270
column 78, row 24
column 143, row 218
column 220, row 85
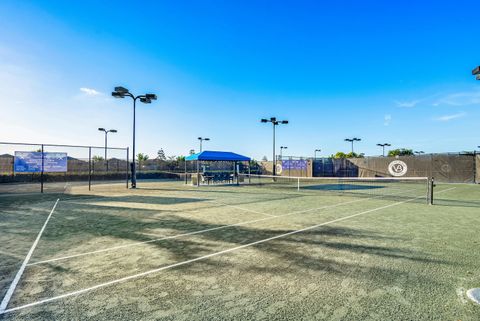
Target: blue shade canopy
column 209, row 155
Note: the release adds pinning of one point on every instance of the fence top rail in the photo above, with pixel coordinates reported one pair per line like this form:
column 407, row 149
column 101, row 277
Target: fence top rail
column 373, row 179
column 61, row 145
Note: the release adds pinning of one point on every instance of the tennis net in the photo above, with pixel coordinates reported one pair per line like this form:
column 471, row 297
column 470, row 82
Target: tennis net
column 395, row 188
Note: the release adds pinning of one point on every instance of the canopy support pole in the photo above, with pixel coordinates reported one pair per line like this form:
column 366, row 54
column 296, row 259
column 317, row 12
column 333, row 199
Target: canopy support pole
column 198, row 173
column 186, row 182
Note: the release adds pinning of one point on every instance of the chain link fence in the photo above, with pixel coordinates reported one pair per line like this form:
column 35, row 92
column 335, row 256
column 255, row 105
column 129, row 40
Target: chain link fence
column 29, row 168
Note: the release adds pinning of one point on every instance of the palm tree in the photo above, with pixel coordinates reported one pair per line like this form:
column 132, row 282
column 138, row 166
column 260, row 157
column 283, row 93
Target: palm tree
column 141, row 158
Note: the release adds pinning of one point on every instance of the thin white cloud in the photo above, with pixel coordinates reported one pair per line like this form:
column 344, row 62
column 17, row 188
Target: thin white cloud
column 450, row 117
column 459, row 99
column 407, row 104
column 387, row 119
column 90, row 91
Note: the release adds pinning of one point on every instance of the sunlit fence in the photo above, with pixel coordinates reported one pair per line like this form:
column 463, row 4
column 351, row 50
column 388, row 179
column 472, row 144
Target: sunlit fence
column 47, row 167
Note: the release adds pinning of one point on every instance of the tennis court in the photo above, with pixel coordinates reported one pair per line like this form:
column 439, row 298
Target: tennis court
column 255, row 251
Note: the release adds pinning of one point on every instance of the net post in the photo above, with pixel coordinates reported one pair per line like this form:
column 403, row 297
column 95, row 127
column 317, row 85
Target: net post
column 431, row 185
column 249, row 176
column 41, row 173
column 89, row 168
column 298, row 183
column 128, row 165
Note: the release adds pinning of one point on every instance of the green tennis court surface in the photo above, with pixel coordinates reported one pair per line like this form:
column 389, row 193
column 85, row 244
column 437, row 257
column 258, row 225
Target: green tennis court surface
column 171, row 251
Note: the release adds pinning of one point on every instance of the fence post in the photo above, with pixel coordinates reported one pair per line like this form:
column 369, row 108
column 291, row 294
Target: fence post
column 430, row 191
column 89, row 168
column 41, row 173
column 128, row 161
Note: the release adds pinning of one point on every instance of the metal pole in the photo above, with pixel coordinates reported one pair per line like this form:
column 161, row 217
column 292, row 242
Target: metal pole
column 41, row 174
column 106, row 159
column 352, row 146
column 201, row 145
column 186, row 182
column 430, row 190
column 134, row 169
column 274, row 160
column 198, row 172
column 128, row 165
column 89, row 168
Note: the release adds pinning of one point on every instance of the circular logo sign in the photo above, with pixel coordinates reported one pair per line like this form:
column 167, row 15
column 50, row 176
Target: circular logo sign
column 446, row 168
column 397, row 168
column 279, row 169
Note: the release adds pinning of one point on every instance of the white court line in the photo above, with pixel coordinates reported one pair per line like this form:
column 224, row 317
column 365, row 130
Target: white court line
column 192, row 233
column 139, row 275
column 241, row 208
column 11, row 289
column 203, row 231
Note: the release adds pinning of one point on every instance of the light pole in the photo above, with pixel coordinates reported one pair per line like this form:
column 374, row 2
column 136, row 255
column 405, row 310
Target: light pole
column 354, row 139
column 383, row 147
column 121, row 92
column 106, row 134
column 315, row 153
column 201, row 139
column 275, row 123
column 281, row 149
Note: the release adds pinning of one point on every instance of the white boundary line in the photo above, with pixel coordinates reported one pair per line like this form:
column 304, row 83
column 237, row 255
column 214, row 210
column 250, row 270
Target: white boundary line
column 194, row 232
column 11, row 289
column 241, row 208
column 203, row 231
column 139, row 275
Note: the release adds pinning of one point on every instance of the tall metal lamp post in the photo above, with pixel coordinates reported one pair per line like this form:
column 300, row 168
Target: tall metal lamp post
column 281, row 149
column 106, row 134
column 201, row 139
column 275, row 123
column 315, row 153
column 383, row 147
column 121, row 92
column 351, row 140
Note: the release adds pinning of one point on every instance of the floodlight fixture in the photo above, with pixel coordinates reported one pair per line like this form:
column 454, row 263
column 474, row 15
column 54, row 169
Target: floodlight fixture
column 476, row 71
column 122, row 92
column 106, row 134
column 383, row 147
column 275, row 123
column 201, row 139
column 118, row 95
column 352, row 140
column 151, row 96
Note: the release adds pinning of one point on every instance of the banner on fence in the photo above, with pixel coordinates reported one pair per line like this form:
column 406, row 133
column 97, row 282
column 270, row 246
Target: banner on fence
column 295, row 164
column 31, row 162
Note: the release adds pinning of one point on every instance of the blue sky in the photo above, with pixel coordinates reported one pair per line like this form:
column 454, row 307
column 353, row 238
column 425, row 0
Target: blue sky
column 384, row 71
